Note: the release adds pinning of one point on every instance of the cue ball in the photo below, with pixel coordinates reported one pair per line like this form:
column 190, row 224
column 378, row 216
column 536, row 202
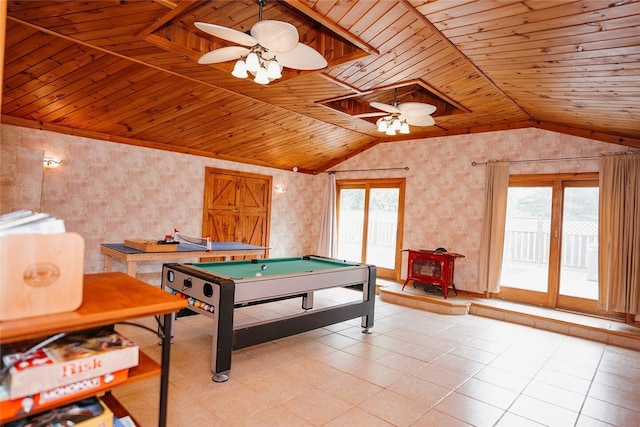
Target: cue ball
column 258, row 274
column 263, row 266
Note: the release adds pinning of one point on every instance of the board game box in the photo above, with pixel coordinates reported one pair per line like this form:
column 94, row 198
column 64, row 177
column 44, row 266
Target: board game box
column 28, row 369
column 12, row 408
column 89, row 412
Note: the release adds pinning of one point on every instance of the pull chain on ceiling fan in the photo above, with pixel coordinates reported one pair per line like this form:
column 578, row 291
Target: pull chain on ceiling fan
column 269, row 46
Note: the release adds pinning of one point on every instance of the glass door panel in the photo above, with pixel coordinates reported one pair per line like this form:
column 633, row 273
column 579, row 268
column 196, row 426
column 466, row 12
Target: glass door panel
column 382, row 227
column 525, row 261
column 351, row 224
column 579, row 266
column 370, row 216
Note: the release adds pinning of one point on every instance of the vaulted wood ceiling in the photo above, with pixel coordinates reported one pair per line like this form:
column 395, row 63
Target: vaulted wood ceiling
column 127, row 72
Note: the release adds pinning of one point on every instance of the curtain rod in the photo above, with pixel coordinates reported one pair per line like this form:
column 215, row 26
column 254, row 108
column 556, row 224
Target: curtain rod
column 542, row 160
column 406, row 168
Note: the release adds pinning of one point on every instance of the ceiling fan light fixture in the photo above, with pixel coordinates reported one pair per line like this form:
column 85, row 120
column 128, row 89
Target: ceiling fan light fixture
column 240, row 70
column 404, row 128
column 274, row 70
column 253, row 62
column 382, row 125
column 262, row 76
column 395, row 123
column 390, row 131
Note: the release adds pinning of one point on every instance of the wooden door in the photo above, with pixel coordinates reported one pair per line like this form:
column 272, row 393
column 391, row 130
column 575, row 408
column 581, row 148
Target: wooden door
column 237, row 207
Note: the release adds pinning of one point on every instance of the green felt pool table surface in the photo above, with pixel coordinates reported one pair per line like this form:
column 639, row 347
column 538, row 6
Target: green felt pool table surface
column 273, row 266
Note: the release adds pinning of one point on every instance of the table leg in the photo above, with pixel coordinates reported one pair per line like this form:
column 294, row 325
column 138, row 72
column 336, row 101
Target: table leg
column 307, row 301
column 164, row 377
column 107, row 263
column 131, row 268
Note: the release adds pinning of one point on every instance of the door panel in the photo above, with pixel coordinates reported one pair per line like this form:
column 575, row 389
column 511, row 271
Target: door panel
column 237, row 207
column 222, row 192
column 370, row 222
column 550, row 247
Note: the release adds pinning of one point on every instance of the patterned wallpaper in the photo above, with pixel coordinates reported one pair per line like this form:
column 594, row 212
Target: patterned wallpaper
column 444, row 194
column 108, row 192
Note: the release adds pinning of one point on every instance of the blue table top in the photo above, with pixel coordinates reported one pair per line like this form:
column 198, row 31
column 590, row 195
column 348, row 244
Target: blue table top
column 190, row 247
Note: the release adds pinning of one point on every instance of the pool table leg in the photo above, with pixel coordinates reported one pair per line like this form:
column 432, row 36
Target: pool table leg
column 368, row 299
column 307, row 301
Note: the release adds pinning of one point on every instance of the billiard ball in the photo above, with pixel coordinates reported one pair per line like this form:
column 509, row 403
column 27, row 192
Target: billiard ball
column 258, row 274
column 263, row 266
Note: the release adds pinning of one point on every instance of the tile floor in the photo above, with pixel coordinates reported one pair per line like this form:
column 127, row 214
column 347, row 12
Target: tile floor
column 418, row 368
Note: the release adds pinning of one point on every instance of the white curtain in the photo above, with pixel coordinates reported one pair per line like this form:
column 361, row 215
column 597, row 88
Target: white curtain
column 619, row 233
column 495, row 212
column 328, row 233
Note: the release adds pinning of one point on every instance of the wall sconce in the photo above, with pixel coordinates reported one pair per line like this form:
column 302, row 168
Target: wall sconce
column 281, row 188
column 51, row 162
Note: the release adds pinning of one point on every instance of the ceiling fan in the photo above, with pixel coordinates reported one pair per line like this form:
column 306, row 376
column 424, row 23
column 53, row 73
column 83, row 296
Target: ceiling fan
column 401, row 115
column 269, row 46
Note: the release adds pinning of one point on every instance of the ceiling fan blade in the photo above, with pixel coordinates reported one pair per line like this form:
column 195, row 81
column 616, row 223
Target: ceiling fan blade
column 302, row 57
column 276, row 36
column 419, row 120
column 414, row 109
column 228, row 34
column 223, row 54
column 384, row 107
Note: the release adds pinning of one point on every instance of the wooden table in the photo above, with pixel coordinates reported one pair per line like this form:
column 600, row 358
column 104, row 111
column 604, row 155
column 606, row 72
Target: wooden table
column 185, row 250
column 108, row 298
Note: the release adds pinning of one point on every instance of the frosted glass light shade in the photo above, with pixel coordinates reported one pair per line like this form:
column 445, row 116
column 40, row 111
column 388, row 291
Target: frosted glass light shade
column 404, row 129
column 240, row 70
column 261, row 76
column 274, row 71
column 253, row 63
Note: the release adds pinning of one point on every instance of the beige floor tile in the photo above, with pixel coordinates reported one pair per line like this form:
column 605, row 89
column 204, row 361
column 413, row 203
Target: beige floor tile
column 235, row 405
column 441, row 376
column 357, row 417
column 504, row 379
column 395, row 408
column 440, row 419
column 366, row 351
column 543, row 412
column 584, row 421
column 554, row 395
column 350, row 389
column 474, row 354
column 452, row 363
column 488, row 393
column 571, row 368
column 276, row 416
column 513, row 420
column 416, row 388
column 469, row 410
column 400, row 362
column 562, row 380
column 609, row 413
column 313, row 372
column 316, row 406
column 625, row 398
column 279, row 387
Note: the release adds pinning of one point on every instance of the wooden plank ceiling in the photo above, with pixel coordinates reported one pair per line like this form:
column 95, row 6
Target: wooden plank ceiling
column 127, row 72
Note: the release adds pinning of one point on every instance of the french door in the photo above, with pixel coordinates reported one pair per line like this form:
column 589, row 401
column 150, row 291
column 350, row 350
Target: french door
column 550, row 253
column 370, row 216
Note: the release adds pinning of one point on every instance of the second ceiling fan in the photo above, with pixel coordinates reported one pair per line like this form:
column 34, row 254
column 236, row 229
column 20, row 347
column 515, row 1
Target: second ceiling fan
column 401, row 115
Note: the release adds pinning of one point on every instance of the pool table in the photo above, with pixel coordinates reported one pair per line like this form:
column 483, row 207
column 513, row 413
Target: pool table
column 216, row 289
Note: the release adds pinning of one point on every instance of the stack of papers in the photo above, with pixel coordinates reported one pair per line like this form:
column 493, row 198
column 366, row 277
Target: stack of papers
column 29, row 222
